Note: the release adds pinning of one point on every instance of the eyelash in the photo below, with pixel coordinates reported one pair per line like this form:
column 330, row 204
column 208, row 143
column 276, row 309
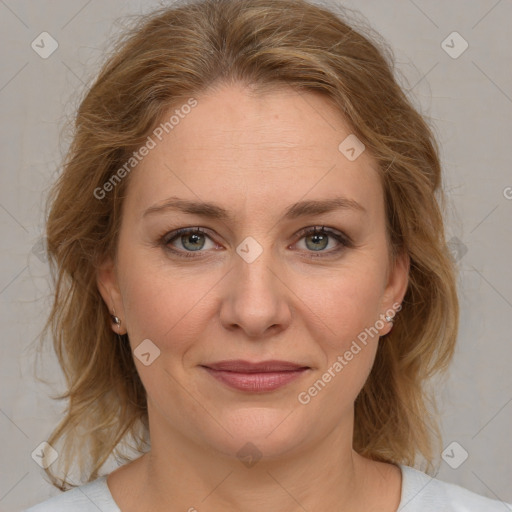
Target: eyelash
column 343, row 239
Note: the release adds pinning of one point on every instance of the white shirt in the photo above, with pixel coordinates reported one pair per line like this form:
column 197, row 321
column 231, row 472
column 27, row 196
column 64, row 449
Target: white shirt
column 420, row 493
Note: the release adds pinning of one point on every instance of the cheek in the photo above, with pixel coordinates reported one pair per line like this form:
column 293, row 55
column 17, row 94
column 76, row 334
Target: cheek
column 348, row 308
column 346, row 304
column 348, row 350
column 166, row 307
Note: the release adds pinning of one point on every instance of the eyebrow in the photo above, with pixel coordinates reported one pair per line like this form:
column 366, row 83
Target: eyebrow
column 214, row 211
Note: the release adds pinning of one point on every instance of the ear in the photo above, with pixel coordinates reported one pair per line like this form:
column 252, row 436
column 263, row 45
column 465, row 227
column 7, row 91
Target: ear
column 396, row 288
column 107, row 282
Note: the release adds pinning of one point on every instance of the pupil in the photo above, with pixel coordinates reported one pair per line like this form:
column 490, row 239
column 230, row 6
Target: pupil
column 318, row 238
column 193, row 239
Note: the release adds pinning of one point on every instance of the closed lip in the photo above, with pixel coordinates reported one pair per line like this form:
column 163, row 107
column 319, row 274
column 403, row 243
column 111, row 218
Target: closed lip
column 241, row 366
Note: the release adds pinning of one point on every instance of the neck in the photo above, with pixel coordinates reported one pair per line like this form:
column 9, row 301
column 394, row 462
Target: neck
column 179, row 475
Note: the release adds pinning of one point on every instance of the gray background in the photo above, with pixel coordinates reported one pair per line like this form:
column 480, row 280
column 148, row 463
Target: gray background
column 469, row 100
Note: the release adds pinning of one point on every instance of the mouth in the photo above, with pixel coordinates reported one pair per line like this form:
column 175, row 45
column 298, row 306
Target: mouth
column 257, row 377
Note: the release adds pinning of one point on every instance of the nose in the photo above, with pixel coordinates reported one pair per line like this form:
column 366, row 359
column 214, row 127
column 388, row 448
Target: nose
column 255, row 298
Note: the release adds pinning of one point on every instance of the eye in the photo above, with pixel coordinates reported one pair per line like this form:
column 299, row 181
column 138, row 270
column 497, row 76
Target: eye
column 317, row 239
column 193, row 240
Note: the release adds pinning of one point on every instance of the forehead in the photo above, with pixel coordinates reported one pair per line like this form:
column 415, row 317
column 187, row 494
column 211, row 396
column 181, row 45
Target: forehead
column 244, row 148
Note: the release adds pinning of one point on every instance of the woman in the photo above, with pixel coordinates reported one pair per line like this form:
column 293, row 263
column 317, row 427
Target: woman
column 252, row 280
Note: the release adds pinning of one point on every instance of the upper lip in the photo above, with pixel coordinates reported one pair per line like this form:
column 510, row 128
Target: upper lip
column 241, row 366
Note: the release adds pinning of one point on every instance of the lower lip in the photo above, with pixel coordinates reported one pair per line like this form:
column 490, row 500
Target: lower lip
column 256, row 382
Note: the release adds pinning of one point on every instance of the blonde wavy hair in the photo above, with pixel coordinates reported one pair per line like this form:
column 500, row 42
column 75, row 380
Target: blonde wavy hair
column 180, row 51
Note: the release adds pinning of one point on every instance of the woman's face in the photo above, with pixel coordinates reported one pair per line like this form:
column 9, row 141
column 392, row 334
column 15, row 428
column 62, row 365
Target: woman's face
column 256, row 284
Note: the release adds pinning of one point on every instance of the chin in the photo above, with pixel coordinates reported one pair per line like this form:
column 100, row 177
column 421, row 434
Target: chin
column 260, row 431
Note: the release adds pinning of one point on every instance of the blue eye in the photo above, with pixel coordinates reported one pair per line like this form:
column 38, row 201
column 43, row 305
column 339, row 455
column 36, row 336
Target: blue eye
column 193, row 240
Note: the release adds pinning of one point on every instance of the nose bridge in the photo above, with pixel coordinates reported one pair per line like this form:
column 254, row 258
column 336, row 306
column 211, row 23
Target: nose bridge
column 255, row 296
column 255, row 268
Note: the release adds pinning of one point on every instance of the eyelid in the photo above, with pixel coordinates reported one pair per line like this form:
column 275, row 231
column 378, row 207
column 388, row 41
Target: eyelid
column 335, row 233
column 168, row 237
column 171, row 235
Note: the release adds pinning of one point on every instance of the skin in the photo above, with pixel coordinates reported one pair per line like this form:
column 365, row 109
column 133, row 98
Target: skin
column 254, row 155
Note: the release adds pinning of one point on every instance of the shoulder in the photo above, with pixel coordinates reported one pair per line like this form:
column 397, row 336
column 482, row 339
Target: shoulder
column 89, row 497
column 422, row 493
